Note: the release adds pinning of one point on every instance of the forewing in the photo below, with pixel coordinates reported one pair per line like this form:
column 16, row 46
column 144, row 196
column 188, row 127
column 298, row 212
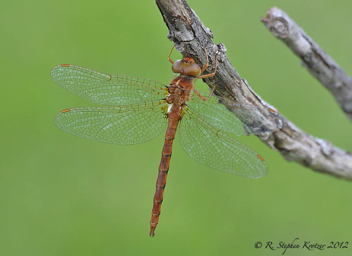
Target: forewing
column 123, row 125
column 209, row 146
column 239, row 120
column 106, row 89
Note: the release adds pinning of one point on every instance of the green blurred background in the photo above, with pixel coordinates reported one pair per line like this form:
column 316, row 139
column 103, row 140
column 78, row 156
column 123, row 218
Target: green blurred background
column 62, row 195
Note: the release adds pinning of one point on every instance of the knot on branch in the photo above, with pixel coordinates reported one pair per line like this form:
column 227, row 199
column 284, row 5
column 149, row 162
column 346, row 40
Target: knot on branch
column 276, row 24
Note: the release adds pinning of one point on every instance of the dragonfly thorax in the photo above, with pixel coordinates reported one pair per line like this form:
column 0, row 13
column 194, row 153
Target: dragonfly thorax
column 179, row 90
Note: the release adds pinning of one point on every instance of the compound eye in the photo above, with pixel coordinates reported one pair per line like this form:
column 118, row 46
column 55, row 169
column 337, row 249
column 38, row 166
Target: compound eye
column 177, row 66
column 191, row 69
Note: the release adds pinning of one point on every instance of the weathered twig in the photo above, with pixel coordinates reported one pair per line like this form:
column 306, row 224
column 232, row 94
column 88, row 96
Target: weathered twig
column 190, row 36
column 314, row 59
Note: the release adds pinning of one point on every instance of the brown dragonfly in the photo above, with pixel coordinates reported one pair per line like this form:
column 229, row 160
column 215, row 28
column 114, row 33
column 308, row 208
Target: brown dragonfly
column 140, row 109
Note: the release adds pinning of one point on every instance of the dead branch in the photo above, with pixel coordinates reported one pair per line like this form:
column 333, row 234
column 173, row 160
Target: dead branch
column 314, row 59
column 190, row 36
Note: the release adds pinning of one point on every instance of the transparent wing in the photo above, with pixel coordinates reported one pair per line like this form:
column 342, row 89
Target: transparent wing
column 106, row 89
column 209, row 146
column 217, row 114
column 124, row 125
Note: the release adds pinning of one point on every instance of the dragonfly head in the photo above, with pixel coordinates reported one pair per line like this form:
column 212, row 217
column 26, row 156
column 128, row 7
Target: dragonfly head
column 187, row 67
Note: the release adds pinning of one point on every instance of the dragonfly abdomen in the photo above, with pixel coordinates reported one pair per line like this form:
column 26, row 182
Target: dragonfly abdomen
column 162, row 176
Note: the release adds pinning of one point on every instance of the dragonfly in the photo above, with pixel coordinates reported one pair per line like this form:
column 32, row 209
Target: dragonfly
column 137, row 110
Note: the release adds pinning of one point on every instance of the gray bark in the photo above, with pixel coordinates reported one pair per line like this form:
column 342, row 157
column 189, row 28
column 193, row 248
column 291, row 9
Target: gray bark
column 313, row 58
column 190, row 36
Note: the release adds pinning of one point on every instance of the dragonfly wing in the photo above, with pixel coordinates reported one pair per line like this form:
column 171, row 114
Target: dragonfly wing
column 209, row 146
column 235, row 118
column 106, row 89
column 123, row 125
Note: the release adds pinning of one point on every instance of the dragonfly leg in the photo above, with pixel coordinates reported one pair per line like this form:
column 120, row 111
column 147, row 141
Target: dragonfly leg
column 201, row 96
column 206, row 65
column 170, row 55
